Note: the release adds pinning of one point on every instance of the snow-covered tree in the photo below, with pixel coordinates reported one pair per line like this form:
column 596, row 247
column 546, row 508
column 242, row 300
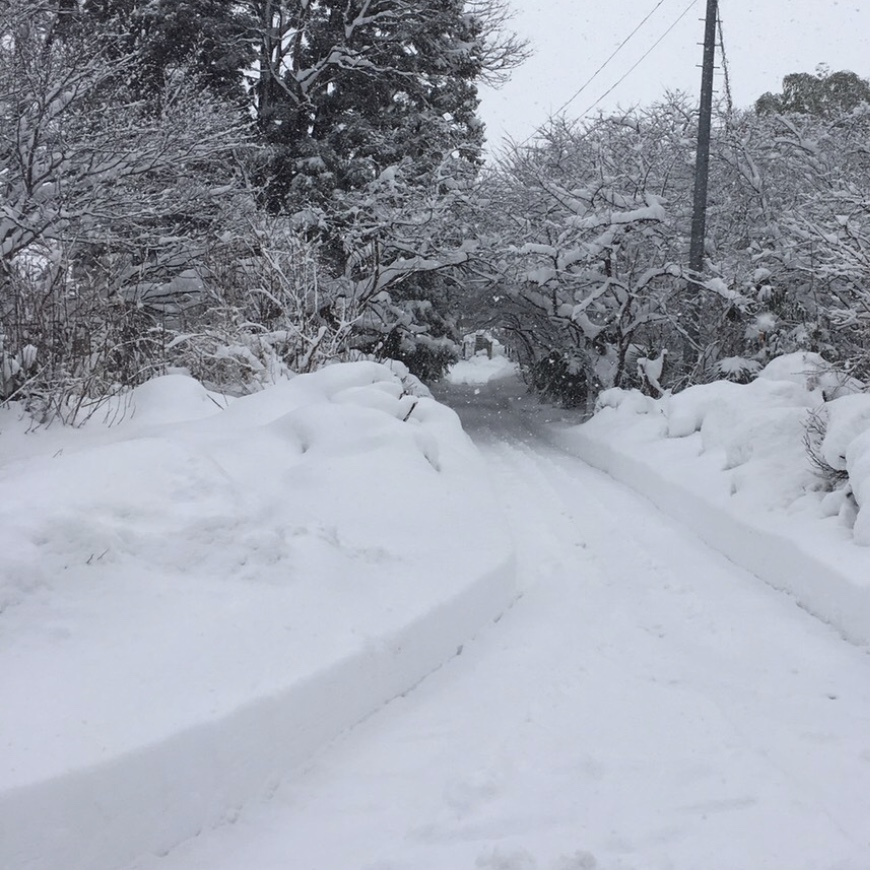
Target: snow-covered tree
column 789, row 232
column 369, row 109
column 345, row 90
column 594, row 216
column 110, row 199
column 407, row 239
column 824, row 94
column 589, row 242
column 210, row 38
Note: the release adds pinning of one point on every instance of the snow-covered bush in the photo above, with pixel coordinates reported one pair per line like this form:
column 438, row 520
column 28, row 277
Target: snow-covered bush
column 110, row 200
column 816, row 429
column 796, row 439
column 66, row 344
column 840, row 450
column 562, row 378
column 268, row 309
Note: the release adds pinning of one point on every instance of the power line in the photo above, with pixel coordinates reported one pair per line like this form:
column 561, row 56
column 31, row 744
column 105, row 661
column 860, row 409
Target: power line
column 613, row 55
column 643, row 57
column 596, row 73
column 610, row 90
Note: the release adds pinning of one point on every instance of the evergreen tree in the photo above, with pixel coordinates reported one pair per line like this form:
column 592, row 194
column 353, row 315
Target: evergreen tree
column 208, row 37
column 347, row 89
column 369, row 108
column 368, row 113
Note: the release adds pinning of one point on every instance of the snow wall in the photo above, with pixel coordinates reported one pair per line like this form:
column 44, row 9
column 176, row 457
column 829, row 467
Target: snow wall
column 837, row 596
column 729, row 462
column 276, row 569
column 150, row 800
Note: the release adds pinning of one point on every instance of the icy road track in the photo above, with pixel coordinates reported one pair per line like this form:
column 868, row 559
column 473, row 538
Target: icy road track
column 644, row 705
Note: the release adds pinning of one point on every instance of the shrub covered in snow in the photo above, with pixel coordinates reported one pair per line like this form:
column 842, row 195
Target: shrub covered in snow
column 797, row 437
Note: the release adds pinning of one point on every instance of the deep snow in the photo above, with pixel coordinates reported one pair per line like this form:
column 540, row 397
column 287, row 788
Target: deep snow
column 196, row 601
column 197, row 598
column 644, row 705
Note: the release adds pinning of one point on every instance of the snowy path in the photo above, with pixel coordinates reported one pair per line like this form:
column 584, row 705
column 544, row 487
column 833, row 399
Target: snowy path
column 645, row 705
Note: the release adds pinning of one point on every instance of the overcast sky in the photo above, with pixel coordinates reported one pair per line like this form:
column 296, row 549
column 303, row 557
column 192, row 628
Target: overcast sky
column 764, row 41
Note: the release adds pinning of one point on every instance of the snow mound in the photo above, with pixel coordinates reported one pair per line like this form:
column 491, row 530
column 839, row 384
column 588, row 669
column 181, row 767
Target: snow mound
column 207, row 575
column 846, row 447
column 480, row 369
column 774, row 473
column 171, row 398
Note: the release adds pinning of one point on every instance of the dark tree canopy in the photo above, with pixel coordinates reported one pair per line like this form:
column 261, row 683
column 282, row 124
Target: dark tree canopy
column 340, row 89
column 823, row 94
column 346, row 89
column 346, row 130
column 207, row 36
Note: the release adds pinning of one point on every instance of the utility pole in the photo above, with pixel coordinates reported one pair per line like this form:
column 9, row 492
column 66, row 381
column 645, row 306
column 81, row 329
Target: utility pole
column 691, row 336
column 702, row 161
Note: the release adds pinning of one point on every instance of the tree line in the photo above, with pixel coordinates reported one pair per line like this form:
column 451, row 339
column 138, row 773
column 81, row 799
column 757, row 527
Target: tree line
column 238, row 188
column 253, row 188
column 590, row 227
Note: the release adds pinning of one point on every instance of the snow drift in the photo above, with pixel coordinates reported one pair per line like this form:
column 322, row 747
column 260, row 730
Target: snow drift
column 733, row 463
column 197, row 598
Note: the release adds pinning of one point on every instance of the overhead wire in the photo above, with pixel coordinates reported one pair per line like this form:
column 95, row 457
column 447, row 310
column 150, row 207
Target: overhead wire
column 643, row 57
column 613, row 54
column 610, row 58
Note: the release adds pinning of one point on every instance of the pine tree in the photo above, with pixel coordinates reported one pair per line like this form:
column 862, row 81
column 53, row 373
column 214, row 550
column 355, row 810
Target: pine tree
column 347, row 89
column 207, row 37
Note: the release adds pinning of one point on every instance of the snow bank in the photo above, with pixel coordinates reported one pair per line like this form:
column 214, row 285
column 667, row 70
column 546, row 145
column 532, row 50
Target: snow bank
column 196, row 599
column 730, row 461
column 480, row 370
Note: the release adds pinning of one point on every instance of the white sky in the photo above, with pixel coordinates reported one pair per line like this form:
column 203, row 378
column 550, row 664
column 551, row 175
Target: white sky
column 764, row 41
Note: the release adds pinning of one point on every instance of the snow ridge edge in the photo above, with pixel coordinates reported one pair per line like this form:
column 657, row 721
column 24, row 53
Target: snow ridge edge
column 150, row 801
column 832, row 595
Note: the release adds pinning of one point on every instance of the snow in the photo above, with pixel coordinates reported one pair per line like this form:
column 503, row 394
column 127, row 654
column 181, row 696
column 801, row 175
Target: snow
column 730, row 461
column 644, row 705
column 481, row 370
column 198, row 597
column 218, row 616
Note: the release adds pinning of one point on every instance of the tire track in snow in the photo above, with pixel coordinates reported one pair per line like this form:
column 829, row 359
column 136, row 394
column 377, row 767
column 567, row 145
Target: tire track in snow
column 652, row 545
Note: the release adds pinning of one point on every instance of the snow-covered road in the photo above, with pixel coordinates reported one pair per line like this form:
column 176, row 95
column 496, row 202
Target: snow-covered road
column 645, row 704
